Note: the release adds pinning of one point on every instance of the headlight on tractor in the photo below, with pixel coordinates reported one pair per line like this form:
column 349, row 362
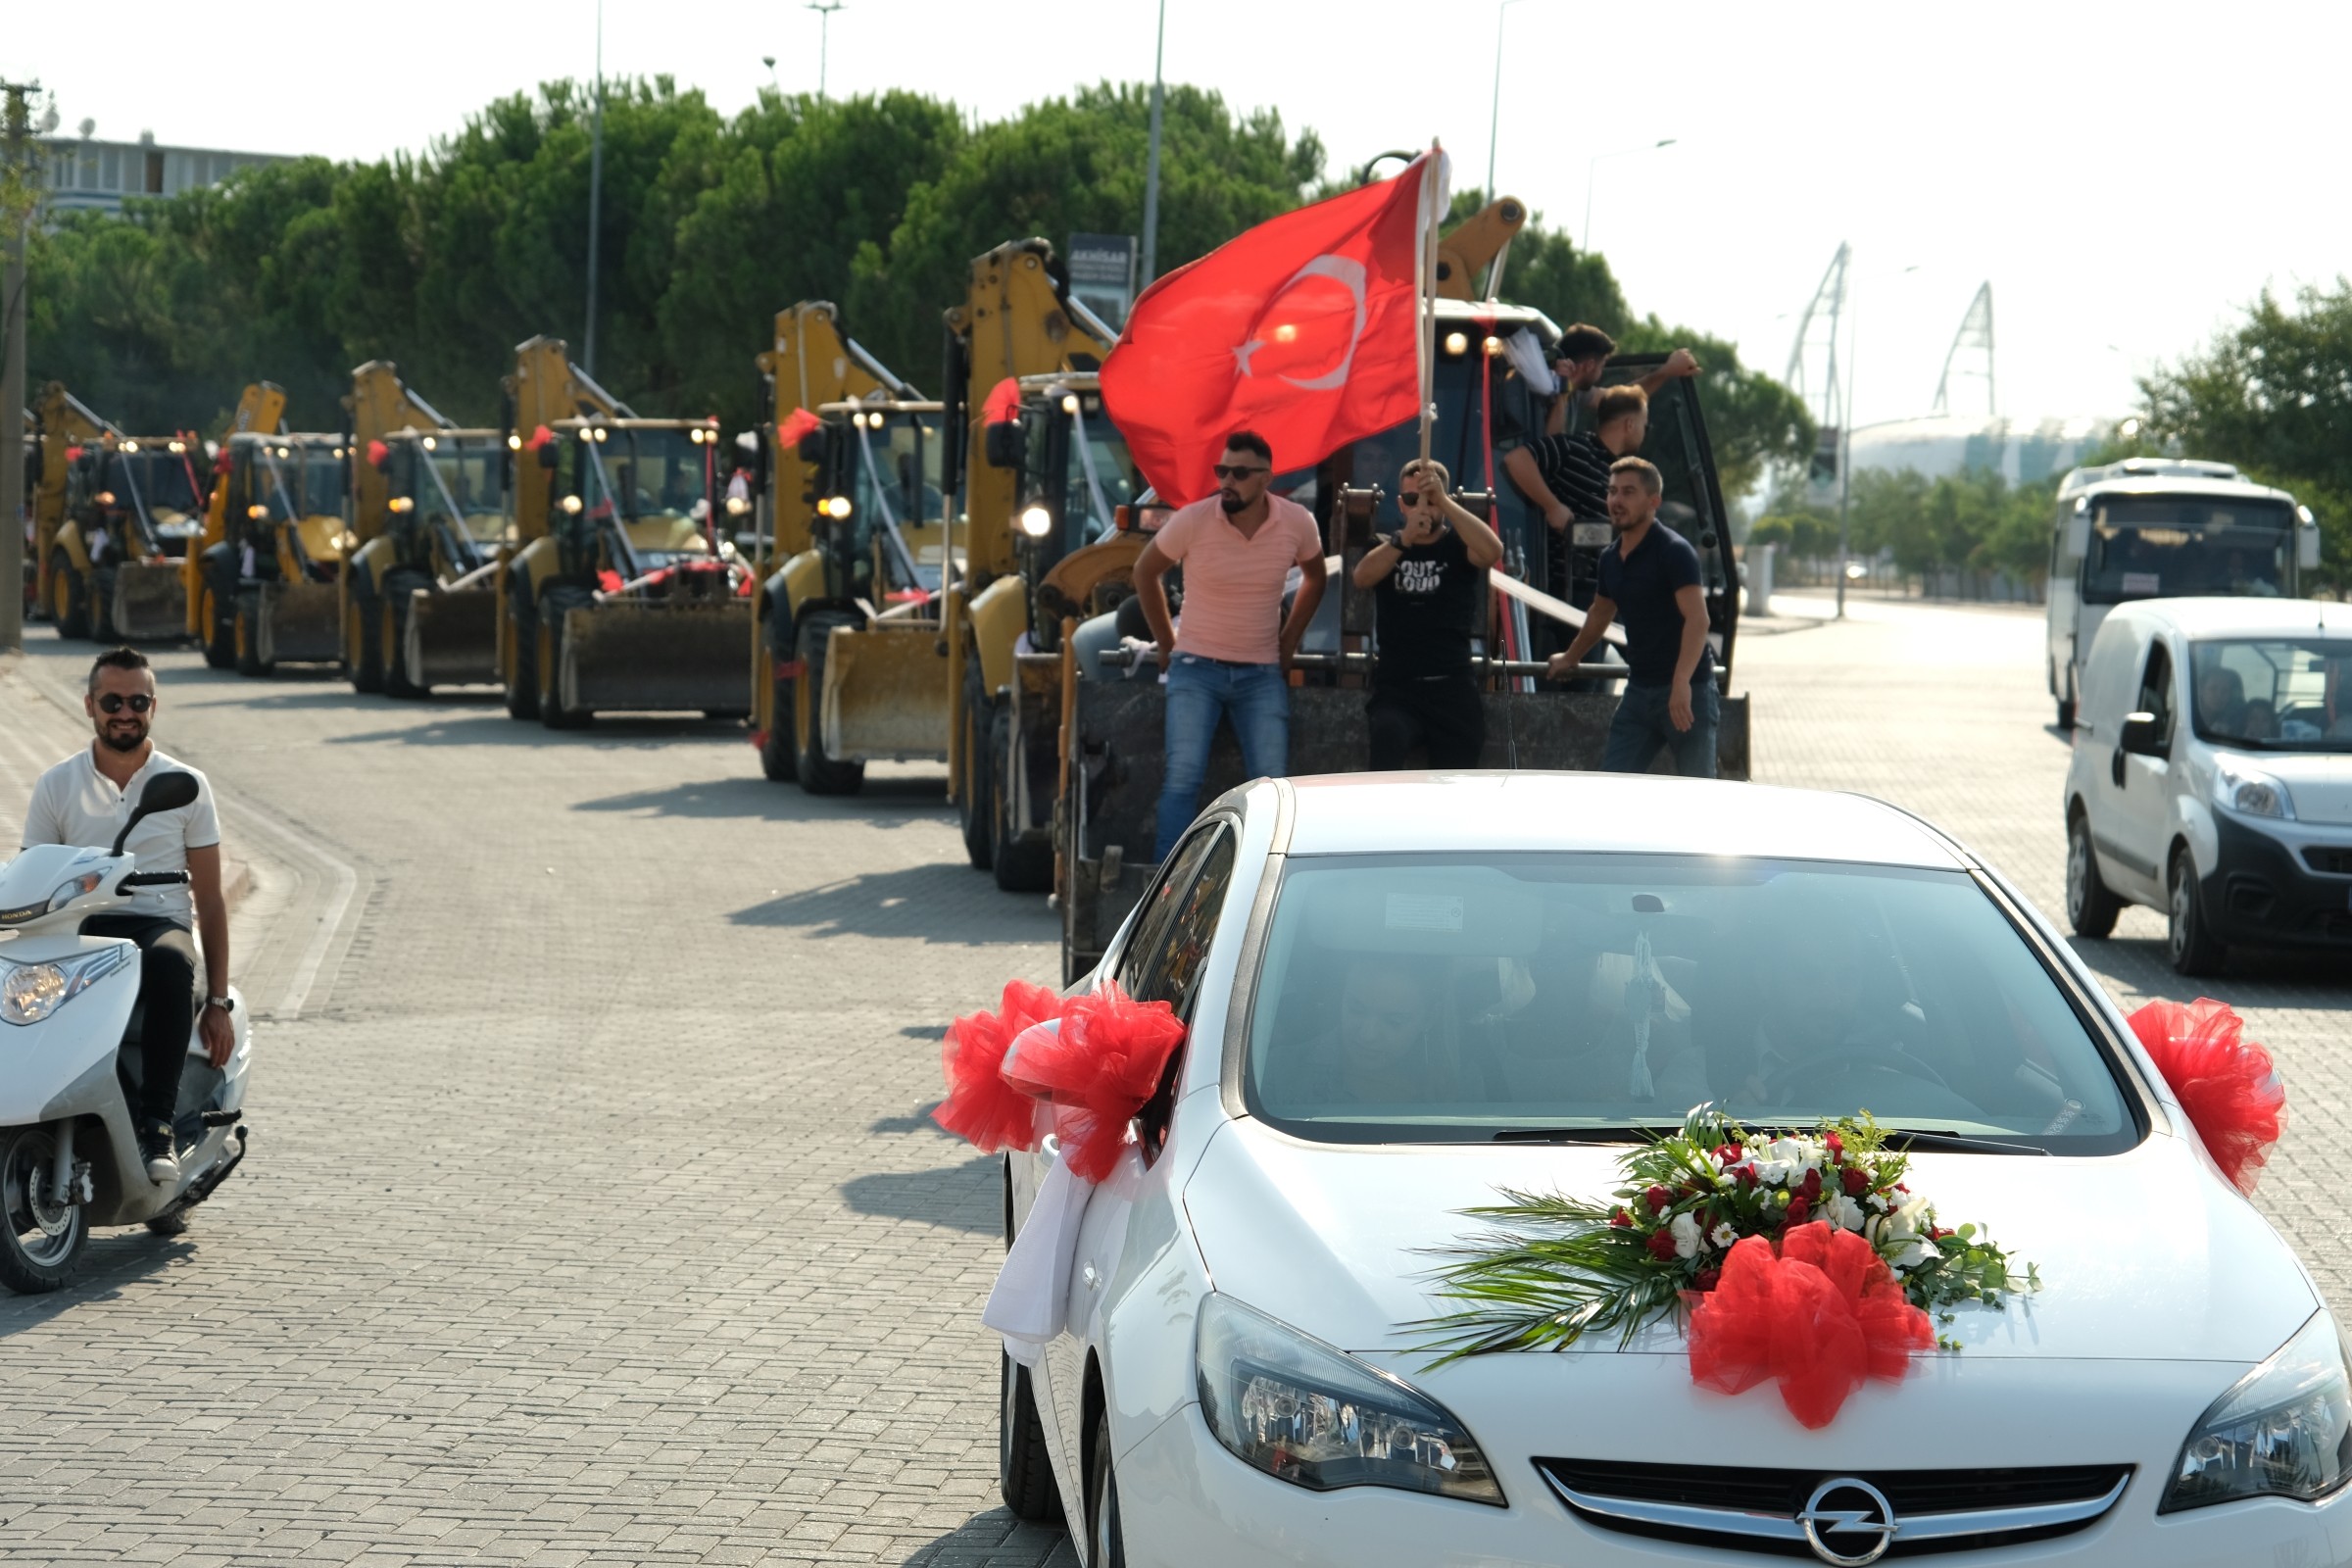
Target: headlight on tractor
column 1036, row 521
column 2285, row 1431
column 2249, row 792
column 1304, row 1412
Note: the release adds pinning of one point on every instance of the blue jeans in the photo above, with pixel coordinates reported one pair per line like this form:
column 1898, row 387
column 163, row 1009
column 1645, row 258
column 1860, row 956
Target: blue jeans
column 1254, row 698
column 1641, row 726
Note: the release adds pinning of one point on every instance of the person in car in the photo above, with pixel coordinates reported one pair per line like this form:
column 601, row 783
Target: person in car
column 1426, row 580
column 1384, row 1049
column 2222, row 704
column 85, row 801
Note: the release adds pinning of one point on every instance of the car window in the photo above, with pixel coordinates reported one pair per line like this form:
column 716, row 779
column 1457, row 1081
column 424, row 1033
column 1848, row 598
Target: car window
column 2156, row 690
column 2274, row 693
column 1405, row 997
column 1173, row 974
column 1161, row 908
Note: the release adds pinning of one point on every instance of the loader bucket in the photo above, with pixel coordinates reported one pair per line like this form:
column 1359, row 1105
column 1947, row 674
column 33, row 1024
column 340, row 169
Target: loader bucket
column 151, row 600
column 647, row 656
column 301, row 623
column 452, row 639
column 886, row 692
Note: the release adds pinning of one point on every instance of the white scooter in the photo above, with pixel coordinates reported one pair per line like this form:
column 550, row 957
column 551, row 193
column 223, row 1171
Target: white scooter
column 70, row 1063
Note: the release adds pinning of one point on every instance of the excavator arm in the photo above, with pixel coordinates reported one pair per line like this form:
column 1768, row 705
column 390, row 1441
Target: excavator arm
column 379, row 404
column 813, row 363
column 1475, row 244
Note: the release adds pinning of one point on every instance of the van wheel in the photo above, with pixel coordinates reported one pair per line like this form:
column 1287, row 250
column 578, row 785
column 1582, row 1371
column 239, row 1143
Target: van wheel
column 1024, row 1472
column 1109, row 1544
column 41, row 1237
column 819, row 774
column 2187, row 943
column 2089, row 907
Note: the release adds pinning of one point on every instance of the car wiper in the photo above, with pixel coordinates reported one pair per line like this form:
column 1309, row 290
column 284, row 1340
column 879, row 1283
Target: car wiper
column 1577, row 1135
column 1956, row 1143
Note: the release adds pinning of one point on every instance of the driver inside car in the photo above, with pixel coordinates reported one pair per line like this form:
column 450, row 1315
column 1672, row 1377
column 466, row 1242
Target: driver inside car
column 1383, row 1050
column 1818, row 1021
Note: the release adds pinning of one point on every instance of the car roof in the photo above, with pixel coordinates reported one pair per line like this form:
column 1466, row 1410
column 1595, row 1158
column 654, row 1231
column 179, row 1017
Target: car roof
column 1489, row 812
column 2239, row 617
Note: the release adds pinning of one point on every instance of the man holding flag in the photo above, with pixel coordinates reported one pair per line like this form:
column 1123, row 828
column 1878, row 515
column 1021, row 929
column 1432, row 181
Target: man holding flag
column 1301, row 335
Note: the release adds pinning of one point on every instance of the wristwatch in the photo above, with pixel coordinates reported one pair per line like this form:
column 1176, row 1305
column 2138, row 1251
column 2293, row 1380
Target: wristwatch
column 1394, row 540
column 224, row 1004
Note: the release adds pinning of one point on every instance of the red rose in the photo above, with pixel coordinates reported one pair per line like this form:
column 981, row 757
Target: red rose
column 1745, row 1175
column 1937, row 1233
column 1901, row 1188
column 1658, row 1198
column 1708, row 1277
column 1727, row 1152
column 1799, row 1210
column 1621, row 1219
column 1661, row 1245
column 1811, row 1186
column 1835, row 1145
column 1856, row 1182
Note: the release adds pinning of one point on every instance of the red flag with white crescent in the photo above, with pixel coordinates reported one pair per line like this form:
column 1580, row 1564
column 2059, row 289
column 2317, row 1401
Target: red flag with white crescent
column 1305, row 329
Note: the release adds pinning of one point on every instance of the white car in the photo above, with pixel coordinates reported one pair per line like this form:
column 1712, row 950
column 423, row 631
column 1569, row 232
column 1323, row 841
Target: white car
column 1406, row 992
column 2212, row 776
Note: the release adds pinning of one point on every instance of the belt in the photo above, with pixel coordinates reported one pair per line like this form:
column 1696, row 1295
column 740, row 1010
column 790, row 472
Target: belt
column 1228, row 663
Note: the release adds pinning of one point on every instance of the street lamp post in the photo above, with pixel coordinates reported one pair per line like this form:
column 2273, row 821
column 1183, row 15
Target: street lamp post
column 1585, row 239
column 1494, row 105
column 596, row 189
column 1159, row 55
column 824, row 10
column 1845, row 436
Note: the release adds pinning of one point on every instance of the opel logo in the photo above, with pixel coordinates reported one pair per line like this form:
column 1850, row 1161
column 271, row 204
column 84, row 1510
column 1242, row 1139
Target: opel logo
column 1848, row 1522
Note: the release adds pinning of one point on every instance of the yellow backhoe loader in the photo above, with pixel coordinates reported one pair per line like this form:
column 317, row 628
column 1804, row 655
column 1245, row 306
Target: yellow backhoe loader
column 814, row 366
column 419, row 599
column 265, row 587
column 920, row 677
column 112, row 514
column 626, row 593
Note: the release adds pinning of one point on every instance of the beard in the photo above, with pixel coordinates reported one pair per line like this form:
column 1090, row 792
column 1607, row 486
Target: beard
column 116, row 738
column 1230, row 502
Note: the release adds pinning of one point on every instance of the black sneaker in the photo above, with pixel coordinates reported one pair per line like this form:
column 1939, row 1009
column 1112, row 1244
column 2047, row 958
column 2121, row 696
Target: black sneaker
column 156, row 1148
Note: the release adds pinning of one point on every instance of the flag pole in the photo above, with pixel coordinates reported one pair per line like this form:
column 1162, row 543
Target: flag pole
column 1426, row 268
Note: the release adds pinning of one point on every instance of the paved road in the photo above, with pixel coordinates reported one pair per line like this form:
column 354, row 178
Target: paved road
column 592, row 1217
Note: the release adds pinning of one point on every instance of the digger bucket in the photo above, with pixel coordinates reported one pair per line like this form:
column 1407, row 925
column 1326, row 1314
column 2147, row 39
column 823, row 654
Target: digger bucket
column 151, row 600
column 452, row 639
column 886, row 692
column 647, row 656
column 301, row 623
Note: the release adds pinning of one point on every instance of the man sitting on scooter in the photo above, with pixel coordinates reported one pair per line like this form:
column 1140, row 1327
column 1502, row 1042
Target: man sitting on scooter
column 85, row 801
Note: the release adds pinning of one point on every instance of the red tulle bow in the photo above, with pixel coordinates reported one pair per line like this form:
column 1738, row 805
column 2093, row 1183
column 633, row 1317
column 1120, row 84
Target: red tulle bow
column 1820, row 1316
column 2228, row 1086
column 1096, row 1069
column 981, row 1107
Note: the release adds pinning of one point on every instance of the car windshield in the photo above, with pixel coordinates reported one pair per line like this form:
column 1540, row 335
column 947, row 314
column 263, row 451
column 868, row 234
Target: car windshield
column 2145, row 547
column 161, row 479
column 652, row 474
column 472, row 475
column 2274, row 694
column 1414, row 999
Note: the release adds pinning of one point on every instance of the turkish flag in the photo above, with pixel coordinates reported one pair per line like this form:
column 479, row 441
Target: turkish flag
column 1305, row 329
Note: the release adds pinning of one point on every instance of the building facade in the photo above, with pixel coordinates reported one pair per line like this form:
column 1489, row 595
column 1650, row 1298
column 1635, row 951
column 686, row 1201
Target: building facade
column 87, row 175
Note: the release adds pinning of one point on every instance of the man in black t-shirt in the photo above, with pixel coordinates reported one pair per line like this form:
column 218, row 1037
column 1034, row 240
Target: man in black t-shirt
column 1576, row 471
column 1426, row 579
column 1651, row 575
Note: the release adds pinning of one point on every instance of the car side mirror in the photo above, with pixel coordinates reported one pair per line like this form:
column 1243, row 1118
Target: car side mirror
column 1007, row 445
column 2144, row 735
column 166, row 792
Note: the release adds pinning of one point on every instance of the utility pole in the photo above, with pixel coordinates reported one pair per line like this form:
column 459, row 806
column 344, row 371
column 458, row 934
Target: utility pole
column 19, row 185
column 1159, row 55
column 824, row 10
column 596, row 191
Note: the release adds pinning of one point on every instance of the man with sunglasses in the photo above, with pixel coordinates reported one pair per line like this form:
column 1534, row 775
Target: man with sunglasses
column 1231, row 660
column 1426, row 580
column 83, row 801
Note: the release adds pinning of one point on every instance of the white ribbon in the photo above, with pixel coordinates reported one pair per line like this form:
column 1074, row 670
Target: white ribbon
column 1030, row 1303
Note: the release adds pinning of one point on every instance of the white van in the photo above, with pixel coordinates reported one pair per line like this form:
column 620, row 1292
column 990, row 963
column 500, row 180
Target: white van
column 2164, row 527
column 2212, row 776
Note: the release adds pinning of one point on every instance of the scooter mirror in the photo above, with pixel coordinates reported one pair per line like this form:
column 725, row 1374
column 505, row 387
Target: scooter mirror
column 166, row 792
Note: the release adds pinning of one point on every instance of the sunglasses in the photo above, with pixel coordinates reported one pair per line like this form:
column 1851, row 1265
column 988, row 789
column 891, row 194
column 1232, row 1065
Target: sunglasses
column 1411, row 498
column 116, row 702
column 1235, row 471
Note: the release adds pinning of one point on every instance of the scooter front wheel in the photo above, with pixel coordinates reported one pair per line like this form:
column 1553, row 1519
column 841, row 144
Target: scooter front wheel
column 43, row 1231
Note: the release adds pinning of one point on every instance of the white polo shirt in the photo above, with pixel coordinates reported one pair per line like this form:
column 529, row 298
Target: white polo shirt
column 75, row 804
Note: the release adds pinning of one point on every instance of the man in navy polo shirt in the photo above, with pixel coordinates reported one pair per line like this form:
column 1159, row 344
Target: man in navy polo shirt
column 1650, row 576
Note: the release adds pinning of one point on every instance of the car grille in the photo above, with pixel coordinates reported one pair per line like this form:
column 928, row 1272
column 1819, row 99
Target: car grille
column 2334, row 859
column 1741, row 1509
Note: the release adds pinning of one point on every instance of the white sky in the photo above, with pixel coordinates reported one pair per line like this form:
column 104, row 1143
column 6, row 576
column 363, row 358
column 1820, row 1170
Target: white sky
column 2126, row 177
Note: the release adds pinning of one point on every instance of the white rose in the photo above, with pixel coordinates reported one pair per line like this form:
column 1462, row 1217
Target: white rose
column 1910, row 1255
column 1878, row 1203
column 1684, row 1230
column 1842, row 1212
column 1723, row 1235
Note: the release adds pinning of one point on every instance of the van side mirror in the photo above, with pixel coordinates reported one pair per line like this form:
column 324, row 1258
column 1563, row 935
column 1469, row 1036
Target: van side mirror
column 1007, row 445
column 166, row 792
column 2144, row 735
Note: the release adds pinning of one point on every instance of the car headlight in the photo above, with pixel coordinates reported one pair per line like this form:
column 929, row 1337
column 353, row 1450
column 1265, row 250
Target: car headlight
column 2249, row 792
column 1318, row 1417
column 2285, row 1431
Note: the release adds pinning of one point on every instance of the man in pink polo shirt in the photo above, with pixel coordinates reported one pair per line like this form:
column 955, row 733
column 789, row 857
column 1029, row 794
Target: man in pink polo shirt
column 1232, row 656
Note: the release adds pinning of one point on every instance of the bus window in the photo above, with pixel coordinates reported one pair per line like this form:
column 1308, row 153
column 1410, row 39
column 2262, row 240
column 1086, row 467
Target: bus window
column 2142, row 547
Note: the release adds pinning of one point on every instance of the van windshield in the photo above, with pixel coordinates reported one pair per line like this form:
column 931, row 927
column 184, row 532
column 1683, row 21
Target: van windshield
column 2274, row 694
column 1413, row 999
column 2172, row 547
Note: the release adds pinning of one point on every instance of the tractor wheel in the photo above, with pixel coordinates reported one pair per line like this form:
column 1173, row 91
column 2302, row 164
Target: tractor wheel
column 819, row 774
column 68, row 597
column 779, row 749
column 220, row 632
column 249, row 634
column 550, row 660
column 398, row 588
column 1023, row 863
column 976, row 796
column 362, row 653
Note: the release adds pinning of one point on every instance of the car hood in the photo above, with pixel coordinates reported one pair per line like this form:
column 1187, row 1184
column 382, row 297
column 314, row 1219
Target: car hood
column 2144, row 1255
column 2320, row 785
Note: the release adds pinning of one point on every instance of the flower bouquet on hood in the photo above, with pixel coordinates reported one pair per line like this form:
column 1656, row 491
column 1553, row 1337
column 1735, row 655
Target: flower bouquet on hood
column 1562, row 1267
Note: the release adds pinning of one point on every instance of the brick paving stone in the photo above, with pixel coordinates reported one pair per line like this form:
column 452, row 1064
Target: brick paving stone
column 594, row 1216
